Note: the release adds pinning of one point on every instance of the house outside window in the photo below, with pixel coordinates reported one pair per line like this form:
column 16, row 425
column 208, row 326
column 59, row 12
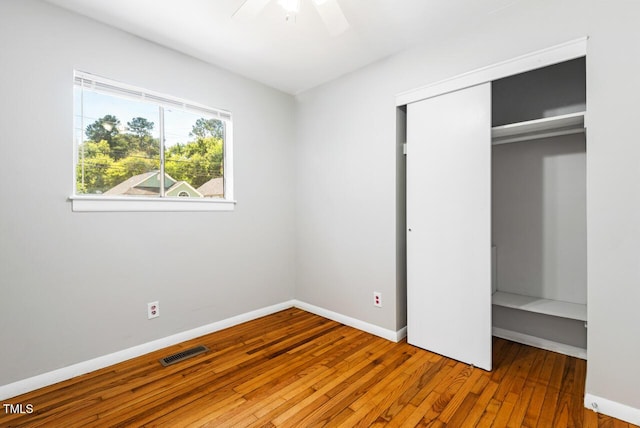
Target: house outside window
column 139, row 150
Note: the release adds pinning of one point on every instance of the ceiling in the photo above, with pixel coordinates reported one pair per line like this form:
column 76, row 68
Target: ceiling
column 291, row 57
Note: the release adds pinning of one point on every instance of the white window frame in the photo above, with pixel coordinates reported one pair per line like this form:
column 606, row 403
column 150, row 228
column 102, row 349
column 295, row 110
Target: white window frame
column 87, row 203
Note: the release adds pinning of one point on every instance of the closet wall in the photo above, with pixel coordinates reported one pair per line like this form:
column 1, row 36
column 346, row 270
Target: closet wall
column 539, row 218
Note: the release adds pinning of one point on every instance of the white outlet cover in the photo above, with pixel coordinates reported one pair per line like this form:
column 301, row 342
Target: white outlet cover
column 377, row 299
column 153, row 310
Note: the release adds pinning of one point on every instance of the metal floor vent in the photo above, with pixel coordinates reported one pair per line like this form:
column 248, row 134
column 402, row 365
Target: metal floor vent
column 183, row 355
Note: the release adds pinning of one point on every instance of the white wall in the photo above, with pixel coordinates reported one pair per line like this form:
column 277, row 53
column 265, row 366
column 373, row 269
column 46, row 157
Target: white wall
column 347, row 182
column 74, row 286
column 346, row 158
column 346, row 199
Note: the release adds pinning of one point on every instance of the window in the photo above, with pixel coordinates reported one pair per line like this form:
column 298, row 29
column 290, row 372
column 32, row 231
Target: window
column 136, row 150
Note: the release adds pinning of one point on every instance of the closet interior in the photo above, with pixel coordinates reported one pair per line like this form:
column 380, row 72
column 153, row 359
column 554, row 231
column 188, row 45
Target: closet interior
column 538, row 208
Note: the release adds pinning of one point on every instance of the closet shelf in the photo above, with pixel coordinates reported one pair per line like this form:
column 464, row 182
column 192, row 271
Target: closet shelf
column 542, row 306
column 566, row 124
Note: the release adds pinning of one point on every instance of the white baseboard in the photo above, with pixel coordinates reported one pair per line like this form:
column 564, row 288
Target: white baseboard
column 539, row 342
column 65, row 373
column 394, row 336
column 608, row 407
column 612, row 408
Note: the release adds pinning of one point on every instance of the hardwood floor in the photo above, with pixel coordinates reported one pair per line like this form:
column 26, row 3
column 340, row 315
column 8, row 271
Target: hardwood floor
column 297, row 369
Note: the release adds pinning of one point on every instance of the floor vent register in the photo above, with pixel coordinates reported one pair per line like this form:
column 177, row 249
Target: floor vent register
column 183, row 355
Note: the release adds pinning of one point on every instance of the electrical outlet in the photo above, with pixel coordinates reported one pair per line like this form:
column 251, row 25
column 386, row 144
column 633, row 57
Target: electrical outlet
column 153, row 310
column 377, row 299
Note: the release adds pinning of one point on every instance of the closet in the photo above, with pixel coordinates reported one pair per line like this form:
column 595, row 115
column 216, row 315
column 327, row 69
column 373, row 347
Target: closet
column 539, row 208
column 496, row 213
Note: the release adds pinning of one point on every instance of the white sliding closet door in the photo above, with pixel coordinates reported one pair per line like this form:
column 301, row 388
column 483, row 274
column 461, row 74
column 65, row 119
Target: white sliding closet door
column 449, row 221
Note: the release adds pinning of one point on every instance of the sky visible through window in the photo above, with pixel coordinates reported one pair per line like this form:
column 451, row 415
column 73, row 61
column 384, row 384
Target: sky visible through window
column 178, row 123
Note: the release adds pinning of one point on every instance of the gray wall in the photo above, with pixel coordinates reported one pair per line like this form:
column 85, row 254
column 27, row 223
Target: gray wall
column 347, row 219
column 74, row 286
column 539, row 222
column 346, row 199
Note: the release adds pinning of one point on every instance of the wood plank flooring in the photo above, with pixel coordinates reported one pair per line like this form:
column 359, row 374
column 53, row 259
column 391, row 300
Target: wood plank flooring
column 296, row 369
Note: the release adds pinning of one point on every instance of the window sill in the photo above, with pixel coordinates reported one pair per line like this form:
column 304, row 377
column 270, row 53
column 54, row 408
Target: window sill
column 133, row 204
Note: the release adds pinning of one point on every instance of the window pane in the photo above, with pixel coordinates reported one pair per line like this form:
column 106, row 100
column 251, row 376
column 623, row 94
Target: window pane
column 193, row 155
column 119, row 145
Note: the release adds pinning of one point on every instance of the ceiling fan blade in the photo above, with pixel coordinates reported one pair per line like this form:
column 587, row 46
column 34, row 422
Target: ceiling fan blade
column 332, row 16
column 249, row 9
